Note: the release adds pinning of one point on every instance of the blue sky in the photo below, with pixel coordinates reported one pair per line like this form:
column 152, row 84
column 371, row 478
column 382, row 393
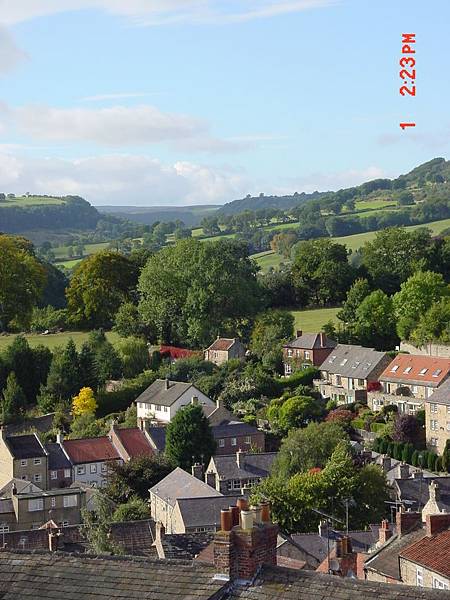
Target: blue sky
column 151, row 102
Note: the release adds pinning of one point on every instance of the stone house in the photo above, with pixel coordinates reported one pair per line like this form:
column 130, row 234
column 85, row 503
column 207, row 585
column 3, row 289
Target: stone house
column 90, row 458
column 408, row 381
column 437, row 418
column 349, row 372
column 306, row 350
column 163, row 398
column 223, row 349
column 59, row 467
column 238, row 472
column 130, row 442
column 23, row 457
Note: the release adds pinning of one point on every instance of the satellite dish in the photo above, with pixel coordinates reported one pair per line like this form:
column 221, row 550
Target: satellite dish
column 334, row 565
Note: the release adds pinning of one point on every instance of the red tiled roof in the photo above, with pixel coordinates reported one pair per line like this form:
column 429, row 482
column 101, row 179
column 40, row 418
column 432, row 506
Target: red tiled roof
column 410, row 368
column 431, row 552
column 90, row 450
column 134, row 442
column 174, row 352
column 222, row 344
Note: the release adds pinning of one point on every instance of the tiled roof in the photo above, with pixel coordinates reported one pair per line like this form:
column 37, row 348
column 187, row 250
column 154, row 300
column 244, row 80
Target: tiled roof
column 252, row 465
column 385, row 559
column 431, row 552
column 158, row 437
column 279, row 583
column 311, row 341
column 222, row 344
column 185, row 546
column 417, row 491
column 204, row 512
column 134, row 441
column 408, row 368
column 179, row 484
column 156, row 393
column 441, row 395
column 58, row 576
column 56, row 457
column 90, row 450
column 25, row 446
column 353, row 361
column 233, row 429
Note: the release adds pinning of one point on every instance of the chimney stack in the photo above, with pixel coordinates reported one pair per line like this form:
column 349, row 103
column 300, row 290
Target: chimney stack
column 240, row 458
column 197, row 471
column 211, row 479
column 404, row 470
column 385, row 532
column 194, row 400
column 59, row 437
column 386, row 463
column 322, row 339
column 407, row 521
column 167, row 385
column 437, row 523
column 323, row 529
column 299, row 333
column 239, row 550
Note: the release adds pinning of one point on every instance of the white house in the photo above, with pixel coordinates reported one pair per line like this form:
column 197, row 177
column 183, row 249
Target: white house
column 163, row 398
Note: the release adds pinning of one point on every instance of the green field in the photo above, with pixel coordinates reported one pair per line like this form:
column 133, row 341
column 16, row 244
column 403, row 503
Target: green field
column 30, row 201
column 313, row 320
column 373, row 204
column 61, row 251
column 55, row 339
column 69, row 264
column 268, row 260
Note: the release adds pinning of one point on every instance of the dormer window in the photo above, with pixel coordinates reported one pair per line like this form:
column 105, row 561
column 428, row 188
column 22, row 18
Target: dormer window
column 394, row 369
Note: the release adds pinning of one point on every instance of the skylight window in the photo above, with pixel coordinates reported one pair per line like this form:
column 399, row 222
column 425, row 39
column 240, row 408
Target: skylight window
column 394, row 368
column 407, row 370
column 355, row 364
column 423, row 371
column 332, row 359
column 343, row 362
column 437, row 372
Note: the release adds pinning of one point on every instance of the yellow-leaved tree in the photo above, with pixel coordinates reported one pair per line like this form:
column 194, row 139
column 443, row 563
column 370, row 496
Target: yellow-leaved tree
column 84, row 403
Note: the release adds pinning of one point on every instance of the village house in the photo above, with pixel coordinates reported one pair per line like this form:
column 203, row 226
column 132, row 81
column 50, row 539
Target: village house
column 59, row 467
column 236, row 473
column 23, row 457
column 130, row 442
column 437, row 418
column 223, row 349
column 408, row 381
column 350, row 372
column 163, row 398
column 306, row 350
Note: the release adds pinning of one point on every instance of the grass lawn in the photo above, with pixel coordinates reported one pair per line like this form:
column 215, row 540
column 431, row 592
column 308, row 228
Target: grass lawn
column 69, row 264
column 55, row 339
column 373, row 204
column 61, row 251
column 267, row 260
column 312, row 321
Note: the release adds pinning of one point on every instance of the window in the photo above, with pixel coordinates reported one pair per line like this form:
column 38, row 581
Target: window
column 233, row 441
column 37, row 478
column 437, row 372
column 67, row 473
column 53, row 474
column 23, row 462
column 221, row 443
column 248, row 439
column 433, row 408
column 423, row 371
column 81, row 470
column 4, row 528
column 93, row 469
column 419, row 577
column 394, row 368
column 338, row 380
column 93, row 484
column 65, row 523
column 70, row 501
column 361, row 382
column 53, row 502
column 235, row 484
column 407, row 370
column 104, row 468
column 37, row 461
column 307, row 355
column 343, row 362
column 165, row 409
column 287, row 369
column 433, row 442
column 433, row 425
column 439, row 585
column 289, row 353
column 36, row 504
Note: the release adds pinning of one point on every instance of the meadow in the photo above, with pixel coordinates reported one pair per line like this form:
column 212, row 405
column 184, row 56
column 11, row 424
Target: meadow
column 54, row 340
column 312, row 320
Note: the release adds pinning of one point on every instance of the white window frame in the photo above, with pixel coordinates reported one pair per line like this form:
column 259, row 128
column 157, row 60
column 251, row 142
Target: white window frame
column 433, row 425
column 4, row 529
column 93, row 468
column 67, row 473
column 248, row 439
column 419, row 577
column 433, row 408
column 70, row 501
column 221, row 443
column 37, row 461
column 104, row 468
column 438, row 584
column 53, row 502
column 35, row 504
column 307, row 355
column 81, row 470
column 23, row 462
column 53, row 474
column 233, row 441
column 37, row 478
column 433, row 442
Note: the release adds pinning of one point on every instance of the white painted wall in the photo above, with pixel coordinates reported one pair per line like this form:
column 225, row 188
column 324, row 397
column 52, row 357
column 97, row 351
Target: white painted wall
column 166, row 413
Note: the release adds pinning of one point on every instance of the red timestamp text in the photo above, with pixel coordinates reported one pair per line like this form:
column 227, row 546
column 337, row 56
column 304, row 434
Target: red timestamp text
column 408, row 72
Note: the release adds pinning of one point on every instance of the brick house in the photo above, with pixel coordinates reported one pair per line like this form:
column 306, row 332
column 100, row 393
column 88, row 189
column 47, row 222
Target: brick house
column 23, row 457
column 307, row 349
column 408, row 381
column 223, row 349
column 349, row 372
column 437, row 418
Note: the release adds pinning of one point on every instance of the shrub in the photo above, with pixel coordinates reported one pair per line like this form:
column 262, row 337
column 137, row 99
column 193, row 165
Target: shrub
column 437, row 464
column 430, row 461
column 109, row 402
column 301, row 377
column 377, row 428
column 358, row 423
column 415, row 459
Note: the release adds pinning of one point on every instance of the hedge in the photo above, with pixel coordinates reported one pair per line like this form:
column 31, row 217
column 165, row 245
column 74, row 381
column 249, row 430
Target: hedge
column 300, row 377
column 111, row 402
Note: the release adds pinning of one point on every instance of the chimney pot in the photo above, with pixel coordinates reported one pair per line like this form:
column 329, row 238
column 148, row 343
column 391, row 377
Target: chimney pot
column 404, row 471
column 323, row 529
column 339, row 548
column 234, row 515
column 322, row 339
column 407, row 521
column 194, row 400
column 265, row 512
column 226, row 519
column 247, row 519
column 197, row 471
column 167, row 383
column 256, row 514
column 242, row 504
column 386, row 463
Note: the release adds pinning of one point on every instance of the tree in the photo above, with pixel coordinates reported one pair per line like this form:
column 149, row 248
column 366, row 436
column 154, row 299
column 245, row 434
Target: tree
column 415, row 297
column 271, row 329
column 282, row 243
column 134, row 355
column 446, row 457
column 99, row 285
column 84, row 403
column 321, row 272
column 63, row 381
column 97, row 526
column 308, row 448
column 31, row 366
column 136, row 477
column 87, row 426
column 107, row 363
column 341, row 416
column 370, row 494
column 355, row 295
column 88, row 367
column 189, row 437
column 13, row 400
column 22, row 280
column 191, row 291
column 135, row 509
column 407, row 430
column 375, row 322
column 294, row 412
column 434, row 325
column 128, row 322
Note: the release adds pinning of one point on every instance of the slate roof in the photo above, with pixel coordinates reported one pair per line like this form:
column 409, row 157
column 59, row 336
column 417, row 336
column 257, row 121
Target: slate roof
column 44, row 575
column 414, row 369
column 134, row 441
column 441, row 395
column 204, row 512
column 22, row 486
column 352, row 361
column 56, row 457
column 90, row 450
column 25, row 446
column 253, row 465
column 385, row 559
column 431, row 552
column 394, row 472
column 179, row 484
column 279, row 583
column 156, row 393
column 222, row 344
column 233, row 429
column 417, row 492
column 185, row 546
column 158, row 437
column 135, row 537
column 311, row 341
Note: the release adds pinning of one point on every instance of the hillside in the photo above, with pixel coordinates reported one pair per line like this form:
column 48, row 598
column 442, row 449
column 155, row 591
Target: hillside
column 190, row 215
column 258, row 202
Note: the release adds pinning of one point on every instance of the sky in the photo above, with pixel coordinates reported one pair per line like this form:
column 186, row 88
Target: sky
column 183, row 102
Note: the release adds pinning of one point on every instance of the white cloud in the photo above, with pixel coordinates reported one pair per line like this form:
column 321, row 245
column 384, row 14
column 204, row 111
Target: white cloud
column 117, row 96
column 123, row 179
column 119, row 126
column 10, row 54
column 333, row 180
column 158, row 12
